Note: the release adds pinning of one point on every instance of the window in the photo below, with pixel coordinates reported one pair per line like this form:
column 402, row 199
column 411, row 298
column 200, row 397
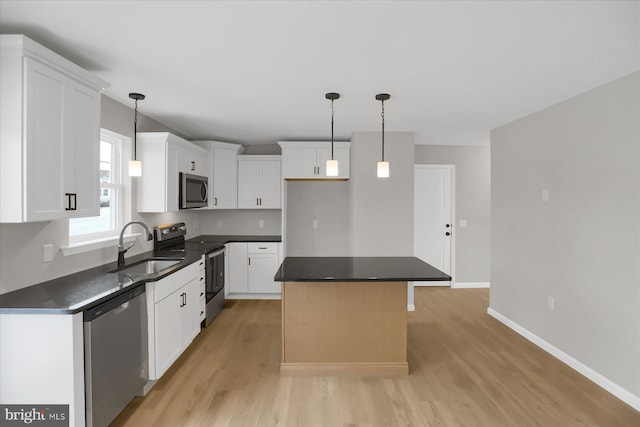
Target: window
column 111, row 197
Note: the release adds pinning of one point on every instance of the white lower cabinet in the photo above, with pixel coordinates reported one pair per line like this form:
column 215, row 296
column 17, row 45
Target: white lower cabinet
column 174, row 316
column 251, row 268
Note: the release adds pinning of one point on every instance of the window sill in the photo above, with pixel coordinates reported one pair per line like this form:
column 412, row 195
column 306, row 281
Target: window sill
column 92, row 245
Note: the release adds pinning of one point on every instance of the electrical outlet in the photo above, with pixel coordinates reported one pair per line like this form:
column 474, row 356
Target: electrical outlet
column 315, row 223
column 462, row 223
column 196, row 225
column 219, row 223
column 261, row 223
column 47, row 253
column 545, row 194
column 551, row 303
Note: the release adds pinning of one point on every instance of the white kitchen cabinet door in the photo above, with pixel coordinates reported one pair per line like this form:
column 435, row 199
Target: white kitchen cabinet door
column 300, row 163
column 82, row 150
column 45, row 143
column 260, row 272
column 193, row 159
column 190, row 312
column 248, row 185
column 270, row 185
column 167, row 332
column 236, row 268
column 259, row 182
column 225, row 179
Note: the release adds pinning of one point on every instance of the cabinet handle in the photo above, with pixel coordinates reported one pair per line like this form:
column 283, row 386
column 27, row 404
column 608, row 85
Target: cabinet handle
column 75, row 201
column 249, row 260
column 261, row 247
column 260, row 201
column 257, row 201
column 193, row 166
column 68, row 204
column 201, row 293
column 201, row 312
column 215, row 201
column 201, row 279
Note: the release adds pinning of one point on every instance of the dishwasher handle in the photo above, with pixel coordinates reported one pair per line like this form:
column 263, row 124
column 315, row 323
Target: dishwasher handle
column 104, row 308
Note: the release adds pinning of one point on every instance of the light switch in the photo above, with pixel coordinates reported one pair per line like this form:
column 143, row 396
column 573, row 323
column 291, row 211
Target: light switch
column 47, row 253
column 315, row 223
column 462, row 223
column 545, row 194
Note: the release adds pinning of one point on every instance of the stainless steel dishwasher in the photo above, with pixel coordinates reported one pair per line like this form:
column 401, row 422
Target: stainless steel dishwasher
column 115, row 355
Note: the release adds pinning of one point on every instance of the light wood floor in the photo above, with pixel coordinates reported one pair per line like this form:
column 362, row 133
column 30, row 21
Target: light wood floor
column 467, row 369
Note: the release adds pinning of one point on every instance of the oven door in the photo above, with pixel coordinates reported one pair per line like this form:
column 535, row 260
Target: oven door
column 215, row 274
column 194, row 191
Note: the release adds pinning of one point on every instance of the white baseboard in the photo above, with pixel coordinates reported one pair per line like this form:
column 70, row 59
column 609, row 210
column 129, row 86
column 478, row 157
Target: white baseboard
column 462, row 285
column 613, row 388
column 411, row 307
column 232, row 295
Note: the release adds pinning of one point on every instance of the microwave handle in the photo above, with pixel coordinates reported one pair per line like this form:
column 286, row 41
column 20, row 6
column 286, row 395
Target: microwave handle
column 204, row 190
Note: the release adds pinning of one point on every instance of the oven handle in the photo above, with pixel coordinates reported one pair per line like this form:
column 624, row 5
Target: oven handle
column 216, row 253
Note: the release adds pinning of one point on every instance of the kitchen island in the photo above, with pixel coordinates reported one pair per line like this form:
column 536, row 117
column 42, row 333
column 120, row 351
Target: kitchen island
column 347, row 314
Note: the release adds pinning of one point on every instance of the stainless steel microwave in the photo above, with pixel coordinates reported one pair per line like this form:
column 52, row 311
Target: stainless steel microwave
column 194, row 191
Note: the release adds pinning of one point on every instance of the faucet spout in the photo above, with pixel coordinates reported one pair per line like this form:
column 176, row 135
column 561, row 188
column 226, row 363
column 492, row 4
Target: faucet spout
column 121, row 249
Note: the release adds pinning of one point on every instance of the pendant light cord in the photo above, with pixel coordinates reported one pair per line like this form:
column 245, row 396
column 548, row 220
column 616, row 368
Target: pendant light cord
column 135, row 131
column 382, row 115
column 332, row 129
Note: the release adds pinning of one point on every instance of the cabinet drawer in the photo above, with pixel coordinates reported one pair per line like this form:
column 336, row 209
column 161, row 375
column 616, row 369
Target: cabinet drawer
column 263, row 248
column 165, row 287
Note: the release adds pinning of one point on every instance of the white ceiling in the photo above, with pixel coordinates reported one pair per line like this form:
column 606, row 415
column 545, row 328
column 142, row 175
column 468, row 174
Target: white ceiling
column 257, row 72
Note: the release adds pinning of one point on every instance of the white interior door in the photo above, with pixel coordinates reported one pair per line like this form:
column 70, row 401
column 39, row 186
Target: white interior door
column 433, row 219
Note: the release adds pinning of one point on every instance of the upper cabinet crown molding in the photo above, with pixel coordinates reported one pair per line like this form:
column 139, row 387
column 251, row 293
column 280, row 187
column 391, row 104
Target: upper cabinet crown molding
column 308, row 159
column 18, row 45
column 50, row 134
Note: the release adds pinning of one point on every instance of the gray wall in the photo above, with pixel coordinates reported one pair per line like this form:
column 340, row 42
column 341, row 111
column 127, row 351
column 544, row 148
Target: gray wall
column 473, row 198
column 582, row 247
column 364, row 216
column 21, row 244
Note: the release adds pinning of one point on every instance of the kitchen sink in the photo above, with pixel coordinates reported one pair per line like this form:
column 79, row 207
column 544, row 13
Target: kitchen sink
column 147, row 266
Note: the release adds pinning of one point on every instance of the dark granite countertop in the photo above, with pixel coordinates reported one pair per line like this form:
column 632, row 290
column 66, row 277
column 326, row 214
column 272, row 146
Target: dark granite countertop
column 357, row 269
column 228, row 238
column 86, row 289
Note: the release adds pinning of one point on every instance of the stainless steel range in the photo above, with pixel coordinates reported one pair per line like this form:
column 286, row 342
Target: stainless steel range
column 169, row 239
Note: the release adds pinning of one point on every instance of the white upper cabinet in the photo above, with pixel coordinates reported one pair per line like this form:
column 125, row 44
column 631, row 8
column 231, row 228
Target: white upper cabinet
column 308, row 159
column 49, row 134
column 259, row 182
column 159, row 153
column 194, row 160
column 223, row 179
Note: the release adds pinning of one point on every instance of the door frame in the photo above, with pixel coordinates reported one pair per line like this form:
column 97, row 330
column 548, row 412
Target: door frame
column 452, row 171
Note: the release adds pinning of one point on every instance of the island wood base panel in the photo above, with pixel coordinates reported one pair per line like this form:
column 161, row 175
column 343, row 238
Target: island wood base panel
column 344, row 328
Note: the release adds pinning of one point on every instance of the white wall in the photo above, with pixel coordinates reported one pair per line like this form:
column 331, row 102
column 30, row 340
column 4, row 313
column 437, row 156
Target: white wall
column 582, row 247
column 473, row 199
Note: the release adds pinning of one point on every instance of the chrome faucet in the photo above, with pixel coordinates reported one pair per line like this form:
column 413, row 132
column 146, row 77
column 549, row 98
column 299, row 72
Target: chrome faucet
column 121, row 249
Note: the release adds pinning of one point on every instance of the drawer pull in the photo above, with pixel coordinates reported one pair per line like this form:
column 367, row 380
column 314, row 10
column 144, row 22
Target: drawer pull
column 261, row 247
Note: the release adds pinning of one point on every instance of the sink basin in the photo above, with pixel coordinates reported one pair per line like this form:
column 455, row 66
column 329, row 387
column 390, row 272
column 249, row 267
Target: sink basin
column 147, row 266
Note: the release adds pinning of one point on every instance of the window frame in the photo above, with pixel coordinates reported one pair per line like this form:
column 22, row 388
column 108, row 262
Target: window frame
column 117, row 186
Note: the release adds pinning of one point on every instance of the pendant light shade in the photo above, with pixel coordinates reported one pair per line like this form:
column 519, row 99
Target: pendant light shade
column 383, row 166
column 332, row 164
column 135, row 166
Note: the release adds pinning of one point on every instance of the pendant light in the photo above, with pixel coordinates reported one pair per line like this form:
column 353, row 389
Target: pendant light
column 383, row 167
column 135, row 166
column 332, row 164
